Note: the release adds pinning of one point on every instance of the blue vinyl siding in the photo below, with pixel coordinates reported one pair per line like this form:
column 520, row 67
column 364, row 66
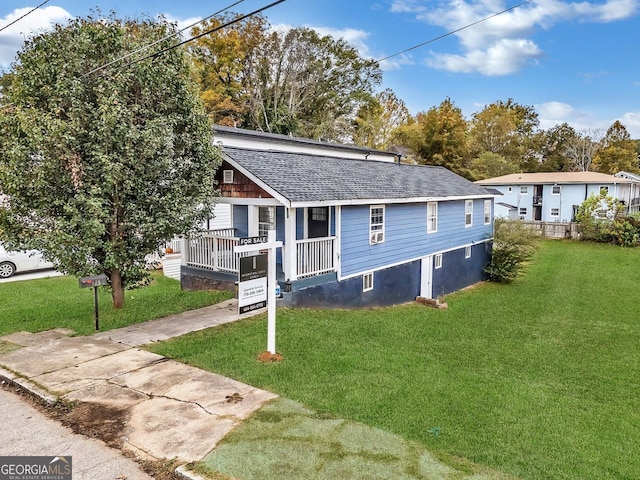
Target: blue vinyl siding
column 406, row 234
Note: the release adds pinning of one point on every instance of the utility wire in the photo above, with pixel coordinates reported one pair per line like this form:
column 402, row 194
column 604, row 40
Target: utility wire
column 454, row 31
column 141, row 49
column 20, row 18
column 231, row 22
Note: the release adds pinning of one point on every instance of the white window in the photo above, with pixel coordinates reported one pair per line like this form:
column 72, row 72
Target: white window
column 487, row 212
column 467, row 251
column 376, row 225
column 227, row 176
column 468, row 213
column 555, row 212
column 555, row 190
column 266, row 220
column 523, row 211
column 432, row 217
column 367, row 282
column 524, row 190
column 437, row 260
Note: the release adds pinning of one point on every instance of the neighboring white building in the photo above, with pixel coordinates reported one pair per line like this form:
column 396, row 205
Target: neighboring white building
column 556, row 196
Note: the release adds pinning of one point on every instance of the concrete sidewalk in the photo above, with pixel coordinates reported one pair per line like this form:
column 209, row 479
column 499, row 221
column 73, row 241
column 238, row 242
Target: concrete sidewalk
column 173, row 411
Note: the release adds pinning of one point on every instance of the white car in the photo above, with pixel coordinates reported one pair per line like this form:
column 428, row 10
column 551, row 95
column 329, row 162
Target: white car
column 13, row 262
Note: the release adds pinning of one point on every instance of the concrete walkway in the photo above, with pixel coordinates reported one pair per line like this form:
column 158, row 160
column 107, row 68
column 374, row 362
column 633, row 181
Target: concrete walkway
column 173, row 411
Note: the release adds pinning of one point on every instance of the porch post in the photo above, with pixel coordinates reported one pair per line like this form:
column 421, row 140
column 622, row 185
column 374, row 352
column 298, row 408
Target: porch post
column 289, row 251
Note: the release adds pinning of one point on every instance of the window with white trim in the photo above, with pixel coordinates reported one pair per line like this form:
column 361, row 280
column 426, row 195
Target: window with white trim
column 487, row 212
column 555, row 212
column 523, row 211
column 524, row 190
column 604, row 190
column 437, row 261
column 367, row 282
column 227, row 176
column 468, row 213
column 555, row 190
column 266, row 220
column 376, row 224
column 467, row 251
column 432, row 217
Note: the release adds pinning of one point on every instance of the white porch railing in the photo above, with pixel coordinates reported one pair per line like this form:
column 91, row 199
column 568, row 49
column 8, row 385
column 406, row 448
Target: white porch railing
column 315, row 256
column 214, row 251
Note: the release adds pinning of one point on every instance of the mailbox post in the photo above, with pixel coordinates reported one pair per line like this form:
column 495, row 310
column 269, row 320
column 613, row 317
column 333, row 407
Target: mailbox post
column 95, row 282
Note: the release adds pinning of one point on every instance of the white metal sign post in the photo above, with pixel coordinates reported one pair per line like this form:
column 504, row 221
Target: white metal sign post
column 253, row 244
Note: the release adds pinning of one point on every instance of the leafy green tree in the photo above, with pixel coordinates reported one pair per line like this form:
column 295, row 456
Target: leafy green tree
column 489, row 165
column 102, row 169
column 601, row 219
column 379, row 119
column 554, row 147
column 309, row 85
column 440, row 137
column 223, row 66
column 507, row 129
column 514, row 243
column 618, row 152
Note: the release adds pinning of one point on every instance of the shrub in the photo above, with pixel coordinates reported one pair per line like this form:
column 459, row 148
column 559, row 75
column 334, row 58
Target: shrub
column 513, row 245
column 601, row 219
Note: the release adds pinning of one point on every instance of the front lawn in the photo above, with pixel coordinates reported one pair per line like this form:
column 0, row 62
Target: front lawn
column 539, row 378
column 43, row 304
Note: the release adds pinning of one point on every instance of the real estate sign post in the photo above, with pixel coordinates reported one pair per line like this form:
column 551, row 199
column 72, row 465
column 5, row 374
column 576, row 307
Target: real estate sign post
column 252, row 286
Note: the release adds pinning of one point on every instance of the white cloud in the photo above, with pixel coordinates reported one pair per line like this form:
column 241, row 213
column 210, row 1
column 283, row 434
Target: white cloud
column 502, row 58
column 486, row 41
column 12, row 38
column 631, row 120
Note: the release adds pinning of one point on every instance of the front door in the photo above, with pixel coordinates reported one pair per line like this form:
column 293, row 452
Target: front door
column 426, row 277
column 318, row 222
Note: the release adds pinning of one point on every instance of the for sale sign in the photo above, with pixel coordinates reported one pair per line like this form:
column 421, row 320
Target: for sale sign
column 252, row 287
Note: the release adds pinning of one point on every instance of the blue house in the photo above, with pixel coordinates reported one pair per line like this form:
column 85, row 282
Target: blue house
column 358, row 227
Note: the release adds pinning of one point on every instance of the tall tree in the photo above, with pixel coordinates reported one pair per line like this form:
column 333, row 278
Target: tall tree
column 582, row 149
column 309, row 85
column 507, row 129
column 442, row 137
column 618, row 152
column 378, row 120
column 223, row 65
column 555, row 146
column 103, row 168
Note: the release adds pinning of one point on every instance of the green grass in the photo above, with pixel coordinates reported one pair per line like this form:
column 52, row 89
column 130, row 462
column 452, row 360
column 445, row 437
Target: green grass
column 539, row 378
column 43, row 304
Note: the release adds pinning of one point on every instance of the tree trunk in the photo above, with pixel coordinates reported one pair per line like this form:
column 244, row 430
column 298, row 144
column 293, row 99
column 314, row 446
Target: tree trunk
column 117, row 290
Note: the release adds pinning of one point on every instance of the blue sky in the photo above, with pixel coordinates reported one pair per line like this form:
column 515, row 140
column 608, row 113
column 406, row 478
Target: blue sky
column 575, row 62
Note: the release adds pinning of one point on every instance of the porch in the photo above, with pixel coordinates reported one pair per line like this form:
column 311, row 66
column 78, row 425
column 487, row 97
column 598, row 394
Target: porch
column 213, row 251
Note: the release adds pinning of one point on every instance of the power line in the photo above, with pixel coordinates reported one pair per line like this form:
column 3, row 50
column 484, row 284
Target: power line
column 141, row 49
column 20, row 18
column 454, row 31
column 231, row 22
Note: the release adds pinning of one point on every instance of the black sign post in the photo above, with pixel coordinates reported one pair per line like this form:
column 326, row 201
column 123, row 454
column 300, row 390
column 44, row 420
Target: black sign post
column 95, row 282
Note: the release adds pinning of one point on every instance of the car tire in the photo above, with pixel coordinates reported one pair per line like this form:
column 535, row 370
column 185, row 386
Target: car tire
column 7, row 269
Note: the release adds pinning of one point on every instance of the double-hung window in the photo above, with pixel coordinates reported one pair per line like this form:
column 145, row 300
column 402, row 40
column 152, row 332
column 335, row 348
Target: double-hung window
column 266, row 220
column 432, row 217
column 468, row 213
column 376, row 224
column 487, row 212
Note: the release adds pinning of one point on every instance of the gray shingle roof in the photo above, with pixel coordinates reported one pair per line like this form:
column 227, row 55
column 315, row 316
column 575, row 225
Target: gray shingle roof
column 309, row 178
